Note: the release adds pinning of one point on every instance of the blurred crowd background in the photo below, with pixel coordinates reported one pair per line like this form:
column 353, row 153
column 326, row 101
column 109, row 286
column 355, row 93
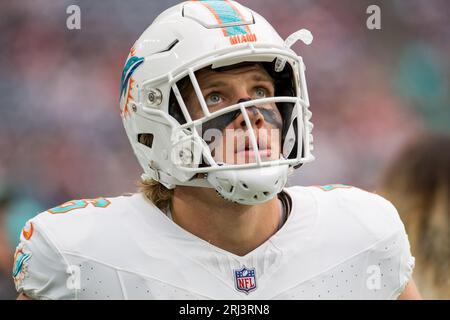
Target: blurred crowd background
column 61, row 136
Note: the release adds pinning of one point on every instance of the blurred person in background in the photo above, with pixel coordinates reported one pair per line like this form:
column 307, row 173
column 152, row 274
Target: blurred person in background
column 417, row 182
column 16, row 208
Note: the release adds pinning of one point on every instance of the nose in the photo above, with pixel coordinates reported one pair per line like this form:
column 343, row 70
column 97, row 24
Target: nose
column 255, row 116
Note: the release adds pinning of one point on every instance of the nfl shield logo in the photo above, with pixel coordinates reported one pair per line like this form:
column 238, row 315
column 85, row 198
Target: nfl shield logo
column 245, row 279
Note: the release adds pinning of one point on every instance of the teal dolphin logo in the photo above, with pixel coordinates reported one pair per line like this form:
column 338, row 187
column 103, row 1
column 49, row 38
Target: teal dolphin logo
column 130, row 66
column 21, row 258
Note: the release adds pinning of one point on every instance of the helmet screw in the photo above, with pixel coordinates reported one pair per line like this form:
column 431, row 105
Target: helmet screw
column 133, row 107
column 185, row 156
column 154, row 97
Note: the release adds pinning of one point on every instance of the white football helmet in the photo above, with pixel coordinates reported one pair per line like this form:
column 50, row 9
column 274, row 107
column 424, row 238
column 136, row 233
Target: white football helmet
column 188, row 37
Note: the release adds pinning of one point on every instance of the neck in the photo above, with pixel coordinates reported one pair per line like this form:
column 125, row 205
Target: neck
column 233, row 227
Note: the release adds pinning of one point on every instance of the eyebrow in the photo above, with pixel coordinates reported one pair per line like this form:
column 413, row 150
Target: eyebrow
column 260, row 77
column 215, row 84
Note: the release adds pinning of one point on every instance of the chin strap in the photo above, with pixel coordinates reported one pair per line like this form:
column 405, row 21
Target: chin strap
column 286, row 203
column 283, row 214
column 170, row 182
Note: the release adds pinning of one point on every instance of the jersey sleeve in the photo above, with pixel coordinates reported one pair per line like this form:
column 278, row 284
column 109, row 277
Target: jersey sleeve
column 40, row 270
column 390, row 263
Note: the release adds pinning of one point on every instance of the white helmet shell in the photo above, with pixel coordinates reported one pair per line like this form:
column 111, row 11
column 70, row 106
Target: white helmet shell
column 186, row 38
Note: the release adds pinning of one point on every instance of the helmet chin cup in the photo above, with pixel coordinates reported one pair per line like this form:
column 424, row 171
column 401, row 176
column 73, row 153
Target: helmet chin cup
column 250, row 186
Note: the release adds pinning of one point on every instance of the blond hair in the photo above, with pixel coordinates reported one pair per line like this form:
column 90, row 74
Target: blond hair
column 418, row 184
column 157, row 193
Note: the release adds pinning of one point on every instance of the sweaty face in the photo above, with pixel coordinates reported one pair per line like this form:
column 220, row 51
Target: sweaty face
column 228, row 135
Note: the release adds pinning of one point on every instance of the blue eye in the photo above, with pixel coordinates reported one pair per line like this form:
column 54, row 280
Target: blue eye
column 213, row 98
column 260, row 93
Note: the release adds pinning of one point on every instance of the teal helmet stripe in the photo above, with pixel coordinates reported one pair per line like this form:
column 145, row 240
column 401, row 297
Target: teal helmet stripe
column 236, row 30
column 227, row 14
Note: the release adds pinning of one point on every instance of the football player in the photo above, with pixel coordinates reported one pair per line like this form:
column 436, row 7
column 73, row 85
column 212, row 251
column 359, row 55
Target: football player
column 216, row 108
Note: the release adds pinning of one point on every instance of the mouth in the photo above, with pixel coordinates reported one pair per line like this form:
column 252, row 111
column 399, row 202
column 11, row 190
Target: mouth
column 265, row 153
column 244, row 152
column 238, row 149
column 246, row 147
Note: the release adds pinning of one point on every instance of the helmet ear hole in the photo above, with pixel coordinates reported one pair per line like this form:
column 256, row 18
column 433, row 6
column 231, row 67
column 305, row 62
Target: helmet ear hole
column 146, row 139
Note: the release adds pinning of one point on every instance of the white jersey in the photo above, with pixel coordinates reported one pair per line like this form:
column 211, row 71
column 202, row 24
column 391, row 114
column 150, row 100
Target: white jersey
column 337, row 243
